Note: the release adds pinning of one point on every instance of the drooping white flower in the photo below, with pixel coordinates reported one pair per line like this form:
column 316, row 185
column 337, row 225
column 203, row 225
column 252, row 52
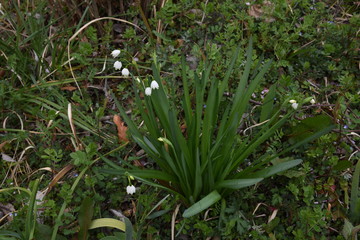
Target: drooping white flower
column 117, row 65
column 292, row 101
column 115, row 53
column 125, row 72
column 154, row 85
column 294, row 105
column 312, row 101
column 130, row 189
column 148, row 91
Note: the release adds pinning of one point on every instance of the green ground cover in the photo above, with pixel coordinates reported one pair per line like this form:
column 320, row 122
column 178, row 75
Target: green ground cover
column 215, row 120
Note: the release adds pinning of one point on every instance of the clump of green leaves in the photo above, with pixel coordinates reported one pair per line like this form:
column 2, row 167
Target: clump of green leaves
column 207, row 161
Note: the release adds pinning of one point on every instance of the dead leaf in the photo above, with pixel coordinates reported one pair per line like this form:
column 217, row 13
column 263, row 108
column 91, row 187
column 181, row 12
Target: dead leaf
column 255, row 11
column 3, row 144
column 7, row 158
column 69, row 88
column 179, row 43
column 7, row 210
column 58, row 176
column 121, row 128
column 265, row 9
column 2, row 73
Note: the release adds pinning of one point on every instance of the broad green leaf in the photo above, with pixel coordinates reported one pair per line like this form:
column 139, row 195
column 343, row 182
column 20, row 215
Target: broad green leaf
column 238, row 183
column 354, row 199
column 85, row 216
column 308, row 126
column 4, row 234
column 309, row 138
column 269, row 171
column 129, row 229
column 107, row 222
column 347, row 229
column 158, row 214
column 203, row 204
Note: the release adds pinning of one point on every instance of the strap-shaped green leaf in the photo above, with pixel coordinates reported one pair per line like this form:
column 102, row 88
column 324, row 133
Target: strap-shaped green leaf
column 238, row 183
column 267, row 107
column 107, row 222
column 203, row 204
column 354, row 199
column 30, row 222
column 267, row 172
column 85, row 215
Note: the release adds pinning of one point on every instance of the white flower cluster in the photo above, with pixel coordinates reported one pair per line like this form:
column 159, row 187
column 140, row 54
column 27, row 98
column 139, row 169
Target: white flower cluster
column 130, row 189
column 295, row 105
column 153, row 85
column 118, row 65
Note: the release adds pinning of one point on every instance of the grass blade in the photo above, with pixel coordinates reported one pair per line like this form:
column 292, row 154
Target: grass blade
column 30, row 221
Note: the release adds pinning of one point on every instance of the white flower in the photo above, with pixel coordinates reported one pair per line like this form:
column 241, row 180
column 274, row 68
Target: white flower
column 292, row 101
column 125, row 72
column 154, row 85
column 138, row 79
column 312, row 101
column 294, row 105
column 247, row 3
column 130, row 189
column 148, row 91
column 117, row 65
column 115, row 53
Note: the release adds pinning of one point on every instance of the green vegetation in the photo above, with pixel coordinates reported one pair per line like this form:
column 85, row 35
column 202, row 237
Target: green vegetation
column 216, row 119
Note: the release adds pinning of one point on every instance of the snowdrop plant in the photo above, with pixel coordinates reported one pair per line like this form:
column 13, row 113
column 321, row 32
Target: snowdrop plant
column 148, row 91
column 125, row 72
column 130, row 189
column 117, row 65
column 203, row 158
column 115, row 53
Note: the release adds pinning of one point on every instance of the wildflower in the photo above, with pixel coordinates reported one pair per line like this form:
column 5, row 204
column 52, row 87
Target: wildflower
column 117, row 65
column 138, row 79
column 294, row 105
column 292, row 101
column 130, row 189
column 248, row 4
column 125, row 72
column 115, row 53
column 312, row 101
column 154, row 85
column 148, row 91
